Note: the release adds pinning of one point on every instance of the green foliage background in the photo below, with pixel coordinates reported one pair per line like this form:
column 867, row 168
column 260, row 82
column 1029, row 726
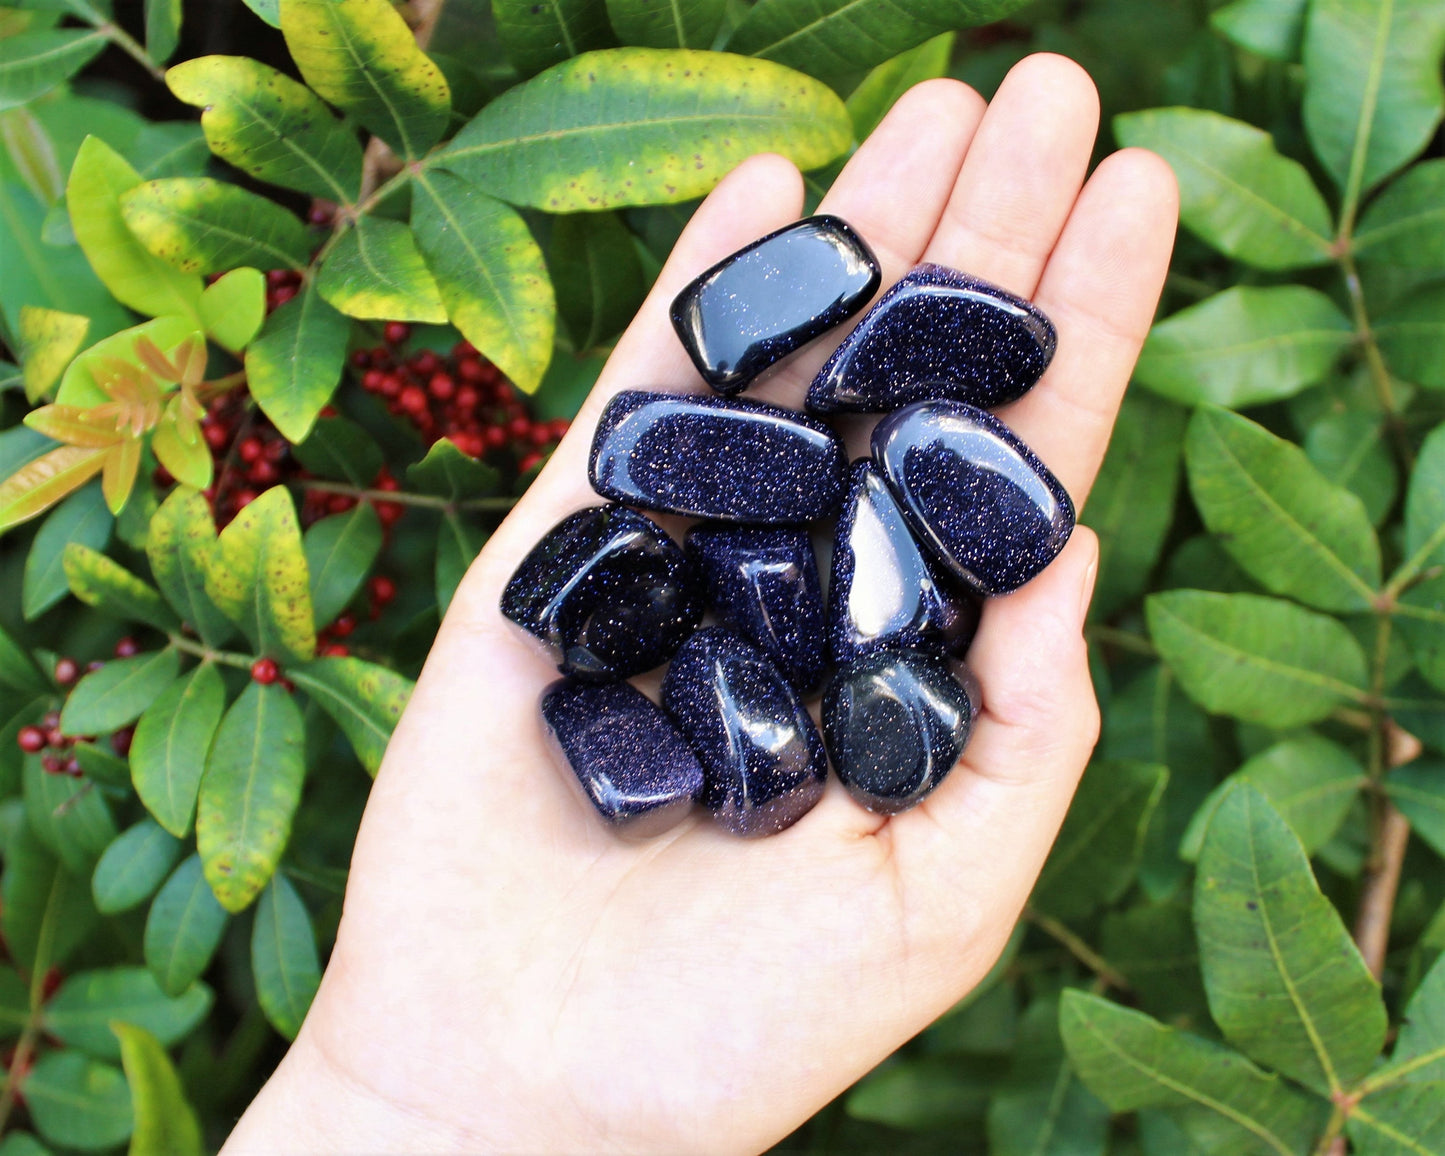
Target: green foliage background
column 1235, row 946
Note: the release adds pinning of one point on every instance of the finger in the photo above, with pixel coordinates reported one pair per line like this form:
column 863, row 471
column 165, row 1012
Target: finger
column 1021, row 175
column 1100, row 288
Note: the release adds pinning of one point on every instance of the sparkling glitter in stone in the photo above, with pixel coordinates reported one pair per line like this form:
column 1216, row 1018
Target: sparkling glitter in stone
column 896, row 722
column 608, row 592
column 976, row 496
column 763, row 582
column 759, row 305
column 885, row 591
column 762, row 758
column 739, row 461
column 627, row 755
column 936, row 333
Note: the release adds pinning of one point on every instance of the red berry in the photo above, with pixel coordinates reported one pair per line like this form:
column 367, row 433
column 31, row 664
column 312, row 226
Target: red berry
column 334, row 650
column 127, row 648
column 390, row 385
column 527, row 464
column 243, row 498
column 470, row 369
column 413, row 400
column 540, row 434
column 328, row 411
column 389, row 513
column 504, row 392
column 263, row 473
column 284, row 294
column 278, row 449
column 250, row 449
column 361, row 358
column 121, row 740
column 441, row 386
column 265, row 671
column 55, row 737
column 277, row 277
column 467, row 398
column 518, row 428
column 495, row 437
column 560, row 425
column 67, row 670
column 372, row 379
column 384, row 481
column 73, row 767
column 426, row 363
column 216, row 436
column 383, row 589
column 93, row 665
column 321, row 214
column 52, row 765
column 396, row 332
column 464, row 348
column 339, row 503
column 31, row 740
column 51, row 719
column 343, row 625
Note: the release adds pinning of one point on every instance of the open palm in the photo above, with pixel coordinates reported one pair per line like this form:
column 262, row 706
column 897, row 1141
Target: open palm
column 509, row 975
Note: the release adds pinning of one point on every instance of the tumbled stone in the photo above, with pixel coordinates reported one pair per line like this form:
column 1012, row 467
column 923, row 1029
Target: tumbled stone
column 707, row 457
column 884, row 590
column 754, row 308
column 628, row 757
column 976, row 496
column 937, row 333
column 895, row 723
column 763, row 582
column 763, row 761
column 607, row 591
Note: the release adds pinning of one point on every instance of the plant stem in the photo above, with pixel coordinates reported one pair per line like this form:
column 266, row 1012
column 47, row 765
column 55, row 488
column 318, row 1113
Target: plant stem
column 117, row 36
column 1332, row 1141
column 1382, row 881
column 206, row 654
column 23, row 1051
column 1374, row 360
column 402, row 497
column 1076, row 947
column 1123, row 639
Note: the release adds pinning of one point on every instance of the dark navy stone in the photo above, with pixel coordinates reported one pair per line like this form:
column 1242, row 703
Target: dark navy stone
column 763, row 761
column 631, row 763
column 937, row 333
column 754, row 308
column 885, row 591
column 896, row 722
column 975, row 495
column 608, row 592
column 739, row 461
column 763, row 582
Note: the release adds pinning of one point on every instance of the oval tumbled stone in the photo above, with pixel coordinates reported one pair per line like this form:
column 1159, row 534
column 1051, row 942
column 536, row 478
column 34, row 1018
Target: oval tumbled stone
column 763, row 760
column 975, row 495
column 607, row 591
column 754, row 308
column 707, row 457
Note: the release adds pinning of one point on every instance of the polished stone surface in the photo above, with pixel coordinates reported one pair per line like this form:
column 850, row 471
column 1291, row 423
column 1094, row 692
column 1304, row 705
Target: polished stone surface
column 627, row 755
column 762, row 581
column 884, row 590
column 896, row 722
column 754, row 308
column 762, row 757
column 608, row 592
column 707, row 457
column 936, row 333
column 976, row 496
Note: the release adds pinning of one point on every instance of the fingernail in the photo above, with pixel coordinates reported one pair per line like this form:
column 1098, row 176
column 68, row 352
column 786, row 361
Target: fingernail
column 1086, row 589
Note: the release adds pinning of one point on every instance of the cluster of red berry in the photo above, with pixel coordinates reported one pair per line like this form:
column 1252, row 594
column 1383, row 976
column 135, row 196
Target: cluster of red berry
column 281, row 286
column 250, row 454
column 56, row 747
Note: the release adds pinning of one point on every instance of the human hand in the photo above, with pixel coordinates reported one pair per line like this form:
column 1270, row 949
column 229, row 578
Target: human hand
column 509, row 975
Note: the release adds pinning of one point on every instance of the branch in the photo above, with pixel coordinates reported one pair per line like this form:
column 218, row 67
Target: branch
column 1080, row 950
column 379, row 163
column 1382, row 880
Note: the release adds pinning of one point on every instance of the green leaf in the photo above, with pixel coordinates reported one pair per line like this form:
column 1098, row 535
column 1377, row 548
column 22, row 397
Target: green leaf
column 1418, row 790
column 361, row 57
column 1131, row 1061
column 22, row 1144
column 80, row 1013
column 364, row 699
column 597, row 275
column 339, row 448
column 1284, row 523
column 1132, row 501
column 201, row 225
column 1259, row 659
column 51, row 339
column 250, row 792
column 269, row 126
column 643, row 126
column 449, row 473
column 1405, row 1121
column 81, row 519
column 835, row 40
column 165, row 1124
column 536, row 35
column 1350, row 450
column 172, row 741
column 672, row 24
column 163, row 29
column 376, row 271
column 102, row 766
column 1270, row 28
column 1309, row 780
column 880, row 89
column 1425, row 505
column 340, row 551
column 104, row 583
column 1245, row 346
column 33, row 63
column 1419, row 1055
column 1412, row 337
column 183, row 928
column 1405, row 225
column 1097, row 851
column 75, row 1102
column 1373, row 95
column 182, row 536
column 294, row 366
column 133, row 866
column 257, row 577
column 1286, row 983
column 490, row 272
column 458, row 545
column 47, row 912
column 233, row 308
column 68, row 815
column 18, row 670
column 267, row 10
column 1236, row 190
column 116, row 694
column 1419, row 616
column 283, row 957
column 1154, row 946
column 930, row 1094
column 138, row 278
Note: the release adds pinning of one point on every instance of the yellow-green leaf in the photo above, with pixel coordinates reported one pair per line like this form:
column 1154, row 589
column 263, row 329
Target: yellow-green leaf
column 201, row 225
column 295, row 364
column 189, row 462
column 182, row 536
column 68, row 424
column 50, row 339
column 233, row 308
column 376, row 271
column 165, row 1124
column 168, row 334
column 364, row 699
column 103, row 582
column 38, row 485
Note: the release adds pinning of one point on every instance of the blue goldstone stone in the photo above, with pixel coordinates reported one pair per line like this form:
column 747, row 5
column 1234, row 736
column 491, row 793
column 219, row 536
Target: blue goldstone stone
column 976, row 496
column 707, row 457
column 885, row 591
column 754, row 308
column 608, row 592
column 936, row 333
column 896, row 722
column 763, row 582
column 763, row 761
column 632, row 764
